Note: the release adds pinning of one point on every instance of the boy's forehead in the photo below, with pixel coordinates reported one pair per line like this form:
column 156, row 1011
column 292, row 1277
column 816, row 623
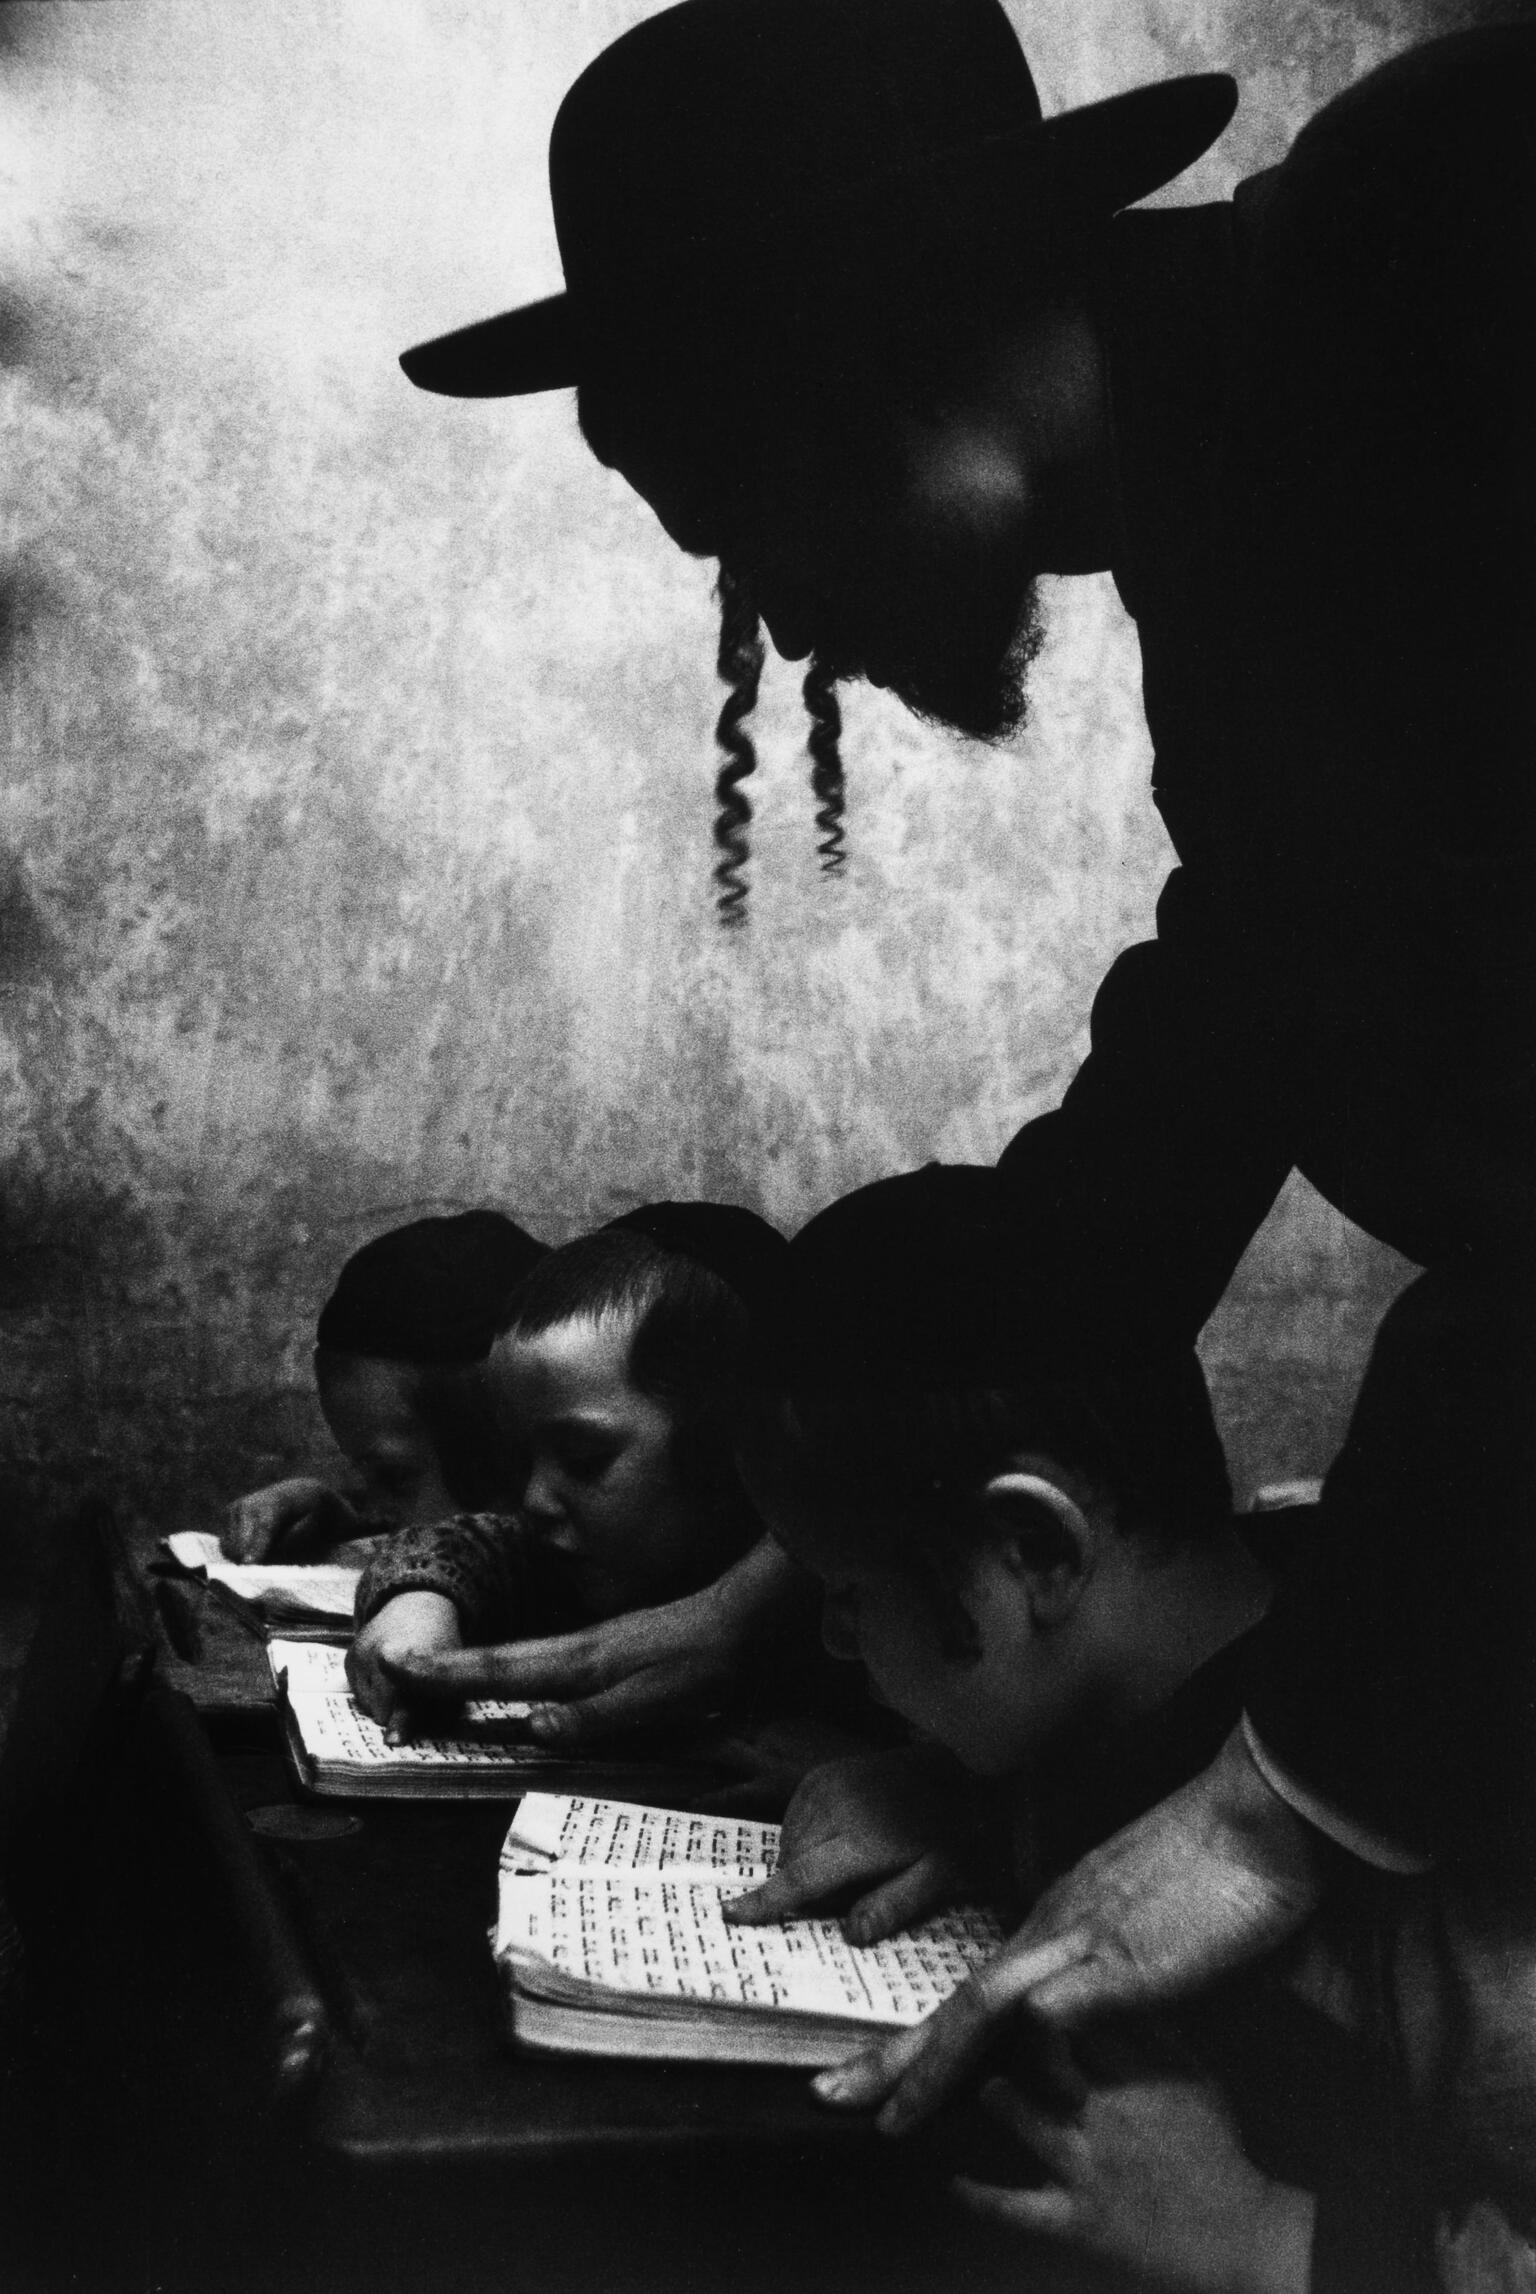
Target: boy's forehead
column 580, row 1357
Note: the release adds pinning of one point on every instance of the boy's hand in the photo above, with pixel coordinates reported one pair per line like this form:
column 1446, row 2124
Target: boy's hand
column 1218, row 1875
column 382, row 1658
column 1148, row 2174
column 764, row 1763
column 892, row 1826
column 291, row 1515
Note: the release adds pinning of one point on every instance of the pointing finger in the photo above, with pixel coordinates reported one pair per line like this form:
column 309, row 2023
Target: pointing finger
column 817, row 1872
column 899, row 1902
column 915, row 2071
column 957, row 2036
column 379, row 1699
column 1090, row 1987
column 961, row 2032
column 505, row 1669
column 778, row 1897
column 646, row 1699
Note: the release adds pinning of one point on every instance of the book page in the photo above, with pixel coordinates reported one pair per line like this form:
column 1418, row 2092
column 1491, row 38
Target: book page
column 315, row 1667
column 571, row 1828
column 663, row 1936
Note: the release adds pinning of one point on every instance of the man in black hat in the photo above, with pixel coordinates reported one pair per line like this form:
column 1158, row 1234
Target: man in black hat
column 856, row 321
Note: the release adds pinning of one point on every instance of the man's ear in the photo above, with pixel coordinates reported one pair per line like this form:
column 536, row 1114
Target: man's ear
column 1047, row 1538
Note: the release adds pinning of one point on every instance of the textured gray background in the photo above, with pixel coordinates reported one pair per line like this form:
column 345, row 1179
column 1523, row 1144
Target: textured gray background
column 354, row 849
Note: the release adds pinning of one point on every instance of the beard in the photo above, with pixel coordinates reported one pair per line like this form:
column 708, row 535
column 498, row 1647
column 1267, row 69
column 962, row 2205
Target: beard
column 979, row 690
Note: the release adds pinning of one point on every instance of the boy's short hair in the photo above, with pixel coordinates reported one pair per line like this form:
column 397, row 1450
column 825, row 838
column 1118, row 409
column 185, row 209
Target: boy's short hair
column 689, row 1276
column 429, row 1296
column 430, row 1292
column 912, row 1352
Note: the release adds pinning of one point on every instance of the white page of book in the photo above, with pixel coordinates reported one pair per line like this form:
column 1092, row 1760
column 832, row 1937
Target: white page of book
column 336, row 1734
column 317, row 1668
column 573, row 1828
column 309, row 1665
column 298, row 1589
column 664, row 1935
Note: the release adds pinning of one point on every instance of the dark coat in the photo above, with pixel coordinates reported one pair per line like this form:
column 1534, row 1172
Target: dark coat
column 1324, row 414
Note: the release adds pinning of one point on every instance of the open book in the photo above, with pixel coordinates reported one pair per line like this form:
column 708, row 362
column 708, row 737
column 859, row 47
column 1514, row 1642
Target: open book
column 319, row 1593
column 610, row 1941
column 337, row 1751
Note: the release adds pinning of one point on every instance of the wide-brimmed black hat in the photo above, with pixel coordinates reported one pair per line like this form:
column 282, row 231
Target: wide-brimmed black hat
column 762, row 132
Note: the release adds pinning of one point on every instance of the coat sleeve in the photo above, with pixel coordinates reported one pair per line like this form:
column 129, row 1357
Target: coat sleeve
column 478, row 1561
column 1140, row 1192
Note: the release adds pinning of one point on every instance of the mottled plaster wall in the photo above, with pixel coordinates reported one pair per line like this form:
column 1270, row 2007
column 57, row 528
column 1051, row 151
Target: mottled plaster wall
column 357, row 745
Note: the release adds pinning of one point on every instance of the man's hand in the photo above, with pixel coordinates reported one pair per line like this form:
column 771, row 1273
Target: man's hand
column 412, row 1628
column 1148, row 2174
column 892, row 1827
column 1218, row 1875
column 293, row 1516
column 652, row 1668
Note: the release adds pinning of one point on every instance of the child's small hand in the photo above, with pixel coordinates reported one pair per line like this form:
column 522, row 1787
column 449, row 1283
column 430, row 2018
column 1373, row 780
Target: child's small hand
column 291, row 1515
column 882, row 1824
column 411, row 1625
column 766, row 1761
column 1149, row 2175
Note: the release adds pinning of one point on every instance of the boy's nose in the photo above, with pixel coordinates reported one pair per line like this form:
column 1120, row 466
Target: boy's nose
column 839, row 1626
column 541, row 1497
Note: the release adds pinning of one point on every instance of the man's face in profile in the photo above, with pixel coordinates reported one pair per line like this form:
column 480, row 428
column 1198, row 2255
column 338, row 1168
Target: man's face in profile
column 895, row 550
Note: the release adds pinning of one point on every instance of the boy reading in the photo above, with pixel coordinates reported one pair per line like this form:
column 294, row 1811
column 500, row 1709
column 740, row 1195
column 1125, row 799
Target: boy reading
column 1020, row 1516
column 611, row 1377
column 399, row 1370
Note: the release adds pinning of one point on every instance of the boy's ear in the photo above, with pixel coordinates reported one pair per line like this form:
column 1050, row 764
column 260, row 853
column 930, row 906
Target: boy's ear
column 1049, row 1540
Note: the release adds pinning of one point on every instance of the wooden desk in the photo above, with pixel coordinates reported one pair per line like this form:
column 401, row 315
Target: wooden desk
column 370, row 1945
column 337, row 2088
column 360, row 1997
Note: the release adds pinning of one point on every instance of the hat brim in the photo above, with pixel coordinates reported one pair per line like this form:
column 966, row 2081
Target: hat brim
column 1097, row 159
column 534, row 348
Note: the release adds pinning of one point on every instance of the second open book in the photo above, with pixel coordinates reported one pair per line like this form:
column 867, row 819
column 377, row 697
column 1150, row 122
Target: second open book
column 610, row 1941
column 484, row 1754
